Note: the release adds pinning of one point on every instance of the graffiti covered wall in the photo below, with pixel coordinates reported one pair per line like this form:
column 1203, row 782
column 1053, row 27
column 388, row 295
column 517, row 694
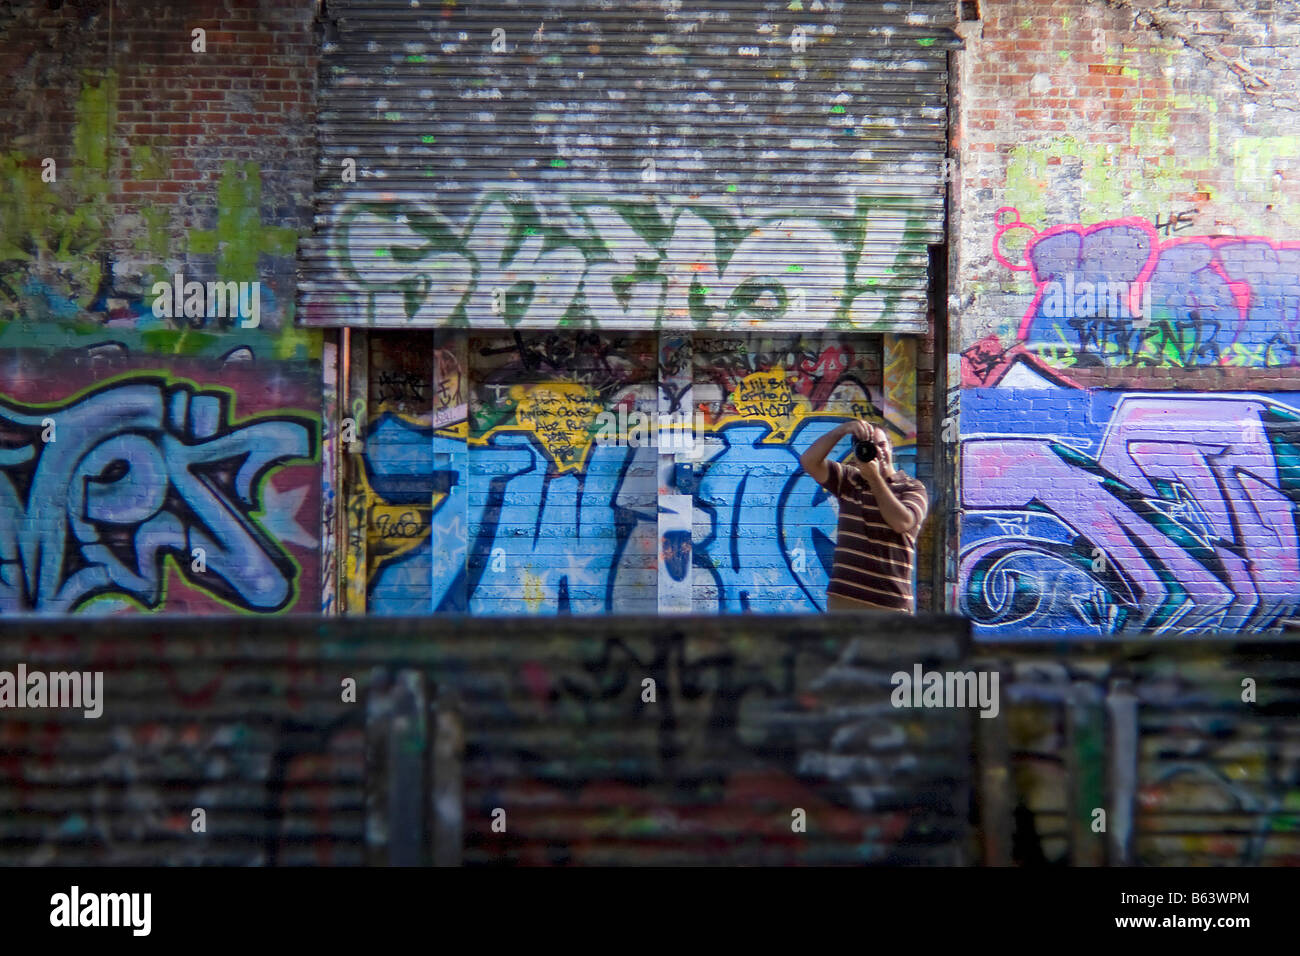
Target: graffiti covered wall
column 580, row 206
column 552, row 165
column 1109, row 512
column 161, row 430
column 1189, row 773
column 588, row 472
column 148, row 488
column 1179, row 302
column 1124, row 371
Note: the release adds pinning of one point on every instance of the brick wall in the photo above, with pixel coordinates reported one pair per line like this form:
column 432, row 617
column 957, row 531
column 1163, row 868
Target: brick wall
column 1114, row 473
column 167, row 161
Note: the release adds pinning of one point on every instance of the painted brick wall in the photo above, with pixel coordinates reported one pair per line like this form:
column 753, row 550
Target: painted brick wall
column 165, row 160
column 1126, row 463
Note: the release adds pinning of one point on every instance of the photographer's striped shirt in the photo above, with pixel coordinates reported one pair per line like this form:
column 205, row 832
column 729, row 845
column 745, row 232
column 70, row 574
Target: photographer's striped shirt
column 873, row 562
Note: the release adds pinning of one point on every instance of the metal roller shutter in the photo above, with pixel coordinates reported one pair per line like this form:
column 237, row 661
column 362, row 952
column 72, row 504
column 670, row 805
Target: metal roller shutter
column 629, row 165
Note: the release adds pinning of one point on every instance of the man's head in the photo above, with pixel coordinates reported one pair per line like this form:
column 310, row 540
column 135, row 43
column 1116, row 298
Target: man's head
column 884, row 450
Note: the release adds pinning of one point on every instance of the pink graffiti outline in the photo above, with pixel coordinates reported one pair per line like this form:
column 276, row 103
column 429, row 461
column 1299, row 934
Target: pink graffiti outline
column 1002, row 227
column 1241, row 291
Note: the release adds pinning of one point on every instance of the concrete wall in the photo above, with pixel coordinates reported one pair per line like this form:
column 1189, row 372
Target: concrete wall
column 1125, row 468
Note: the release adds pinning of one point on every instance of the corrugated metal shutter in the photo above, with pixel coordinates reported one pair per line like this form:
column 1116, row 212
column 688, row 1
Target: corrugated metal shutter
column 638, row 165
column 245, row 718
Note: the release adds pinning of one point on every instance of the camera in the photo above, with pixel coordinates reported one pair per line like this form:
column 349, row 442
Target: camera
column 865, row 449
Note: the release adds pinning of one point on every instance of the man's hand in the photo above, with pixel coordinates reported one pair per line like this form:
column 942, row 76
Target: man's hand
column 859, row 431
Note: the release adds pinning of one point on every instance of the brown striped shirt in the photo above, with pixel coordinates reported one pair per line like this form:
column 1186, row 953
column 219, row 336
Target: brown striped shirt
column 873, row 562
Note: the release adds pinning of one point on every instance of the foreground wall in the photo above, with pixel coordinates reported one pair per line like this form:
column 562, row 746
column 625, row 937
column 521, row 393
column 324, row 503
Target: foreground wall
column 611, row 740
column 639, row 740
column 1189, row 749
column 1126, row 463
column 157, row 454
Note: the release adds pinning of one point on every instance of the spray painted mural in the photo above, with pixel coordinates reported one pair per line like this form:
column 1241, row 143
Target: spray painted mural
column 156, row 462
column 539, row 257
column 1096, row 513
column 150, row 491
column 1102, row 513
column 1116, row 294
column 504, row 496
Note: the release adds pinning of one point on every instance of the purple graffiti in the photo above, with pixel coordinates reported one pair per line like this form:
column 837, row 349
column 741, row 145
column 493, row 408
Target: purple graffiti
column 96, row 493
column 1210, row 300
column 1185, row 520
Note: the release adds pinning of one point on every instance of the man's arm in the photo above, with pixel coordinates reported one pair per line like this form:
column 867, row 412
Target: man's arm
column 814, row 459
column 899, row 516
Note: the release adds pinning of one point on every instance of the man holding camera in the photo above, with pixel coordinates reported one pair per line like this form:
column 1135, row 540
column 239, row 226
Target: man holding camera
column 881, row 512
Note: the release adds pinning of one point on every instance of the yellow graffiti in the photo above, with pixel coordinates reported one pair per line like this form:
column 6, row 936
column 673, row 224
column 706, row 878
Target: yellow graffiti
column 395, row 530
column 561, row 415
column 900, row 379
column 534, row 591
column 767, row 396
column 390, row 531
column 459, row 430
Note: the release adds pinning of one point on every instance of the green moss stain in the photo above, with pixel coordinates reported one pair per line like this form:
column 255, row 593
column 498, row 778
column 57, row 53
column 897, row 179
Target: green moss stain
column 149, row 163
column 1255, row 161
column 154, row 237
column 51, row 234
column 240, row 237
column 96, row 109
column 1136, row 180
